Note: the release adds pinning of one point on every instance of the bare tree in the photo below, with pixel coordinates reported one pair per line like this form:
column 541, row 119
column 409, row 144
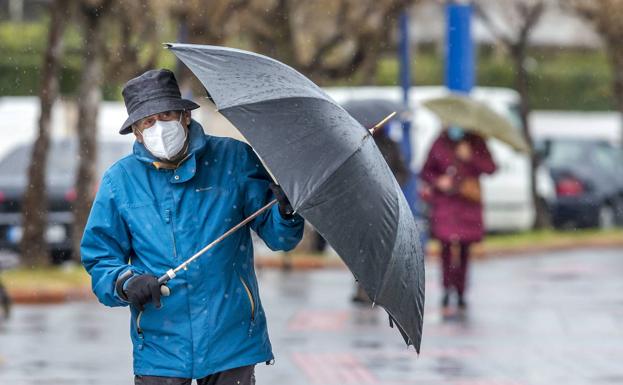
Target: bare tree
column 34, row 212
column 134, row 31
column 209, row 21
column 89, row 98
column 516, row 20
column 205, row 22
column 325, row 39
column 606, row 16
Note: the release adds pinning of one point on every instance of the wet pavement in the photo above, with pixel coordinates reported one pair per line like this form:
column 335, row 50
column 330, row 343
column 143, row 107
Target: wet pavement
column 541, row 320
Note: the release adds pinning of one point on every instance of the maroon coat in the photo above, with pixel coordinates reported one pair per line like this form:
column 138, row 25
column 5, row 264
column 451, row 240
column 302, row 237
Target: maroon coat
column 453, row 217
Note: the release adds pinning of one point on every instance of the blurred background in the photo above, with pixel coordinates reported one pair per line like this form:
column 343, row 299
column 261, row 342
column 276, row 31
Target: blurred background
column 545, row 292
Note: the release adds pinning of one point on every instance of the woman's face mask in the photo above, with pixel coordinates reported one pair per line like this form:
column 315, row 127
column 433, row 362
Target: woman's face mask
column 165, row 139
column 456, row 133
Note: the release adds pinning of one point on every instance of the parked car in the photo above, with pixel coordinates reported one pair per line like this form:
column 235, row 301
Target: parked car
column 60, row 176
column 588, row 175
column 508, row 204
column 7, row 261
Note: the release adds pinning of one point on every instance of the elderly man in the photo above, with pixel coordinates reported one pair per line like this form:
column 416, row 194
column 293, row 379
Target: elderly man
column 179, row 190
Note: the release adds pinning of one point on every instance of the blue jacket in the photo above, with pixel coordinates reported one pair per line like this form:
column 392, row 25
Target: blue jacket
column 150, row 220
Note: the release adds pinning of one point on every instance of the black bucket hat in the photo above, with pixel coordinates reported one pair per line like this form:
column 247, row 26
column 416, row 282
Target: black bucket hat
column 153, row 92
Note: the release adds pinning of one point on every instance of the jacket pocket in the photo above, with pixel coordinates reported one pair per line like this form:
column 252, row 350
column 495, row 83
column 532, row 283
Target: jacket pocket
column 247, row 289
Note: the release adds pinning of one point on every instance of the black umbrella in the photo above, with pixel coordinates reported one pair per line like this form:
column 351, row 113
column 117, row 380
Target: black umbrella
column 330, row 169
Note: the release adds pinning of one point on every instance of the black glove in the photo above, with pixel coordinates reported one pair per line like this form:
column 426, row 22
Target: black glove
column 143, row 289
column 285, row 208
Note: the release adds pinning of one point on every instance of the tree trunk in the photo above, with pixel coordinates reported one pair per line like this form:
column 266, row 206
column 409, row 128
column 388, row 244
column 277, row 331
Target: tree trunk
column 34, row 210
column 518, row 53
column 616, row 62
column 88, row 108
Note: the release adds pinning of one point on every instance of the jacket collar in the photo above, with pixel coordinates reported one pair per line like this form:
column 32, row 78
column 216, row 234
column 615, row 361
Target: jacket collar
column 186, row 168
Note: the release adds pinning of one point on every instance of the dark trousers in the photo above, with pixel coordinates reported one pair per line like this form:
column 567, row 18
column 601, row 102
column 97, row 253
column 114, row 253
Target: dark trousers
column 454, row 265
column 238, row 376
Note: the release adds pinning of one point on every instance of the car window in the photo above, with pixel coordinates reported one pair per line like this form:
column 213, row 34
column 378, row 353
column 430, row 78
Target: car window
column 605, row 157
column 62, row 159
column 110, row 152
column 514, row 115
column 16, row 161
column 565, row 153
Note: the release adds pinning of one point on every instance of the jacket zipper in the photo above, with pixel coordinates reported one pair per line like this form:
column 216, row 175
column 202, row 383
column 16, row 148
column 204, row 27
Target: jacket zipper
column 169, row 220
column 251, row 301
column 173, row 234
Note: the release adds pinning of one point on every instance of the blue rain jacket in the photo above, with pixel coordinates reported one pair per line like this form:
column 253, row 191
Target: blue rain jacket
column 150, row 220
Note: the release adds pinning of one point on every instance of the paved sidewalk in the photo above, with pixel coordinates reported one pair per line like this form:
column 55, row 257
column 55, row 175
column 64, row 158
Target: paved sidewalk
column 544, row 320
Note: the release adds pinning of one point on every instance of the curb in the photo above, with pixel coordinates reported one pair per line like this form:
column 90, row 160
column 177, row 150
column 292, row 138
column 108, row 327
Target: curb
column 50, row 296
column 40, row 295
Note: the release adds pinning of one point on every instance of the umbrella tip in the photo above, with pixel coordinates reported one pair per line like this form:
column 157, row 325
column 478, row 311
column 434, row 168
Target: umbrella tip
column 167, row 45
column 381, row 123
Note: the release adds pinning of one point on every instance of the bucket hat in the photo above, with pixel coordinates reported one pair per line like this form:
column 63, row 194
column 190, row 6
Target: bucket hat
column 153, row 92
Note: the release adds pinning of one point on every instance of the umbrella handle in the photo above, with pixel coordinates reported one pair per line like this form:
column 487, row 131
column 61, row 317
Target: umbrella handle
column 166, row 277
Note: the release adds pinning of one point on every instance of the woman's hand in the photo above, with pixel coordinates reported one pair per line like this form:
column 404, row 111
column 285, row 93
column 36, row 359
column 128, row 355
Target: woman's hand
column 444, row 183
column 464, row 152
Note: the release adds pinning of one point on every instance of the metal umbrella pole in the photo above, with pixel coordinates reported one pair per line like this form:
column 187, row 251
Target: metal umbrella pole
column 171, row 273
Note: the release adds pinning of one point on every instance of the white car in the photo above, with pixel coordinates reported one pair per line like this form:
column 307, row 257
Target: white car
column 508, row 203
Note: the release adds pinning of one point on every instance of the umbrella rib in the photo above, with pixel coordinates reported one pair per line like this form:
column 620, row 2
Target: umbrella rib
column 365, row 132
column 234, row 104
column 391, row 260
column 320, row 185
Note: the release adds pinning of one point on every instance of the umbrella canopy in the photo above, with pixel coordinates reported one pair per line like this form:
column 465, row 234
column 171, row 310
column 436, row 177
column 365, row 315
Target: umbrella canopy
column 369, row 112
column 330, row 169
column 474, row 116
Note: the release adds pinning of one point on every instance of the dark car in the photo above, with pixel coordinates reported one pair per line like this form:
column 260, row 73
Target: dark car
column 588, row 176
column 60, row 176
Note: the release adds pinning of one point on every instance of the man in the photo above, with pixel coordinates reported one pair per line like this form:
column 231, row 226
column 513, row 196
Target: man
column 179, row 190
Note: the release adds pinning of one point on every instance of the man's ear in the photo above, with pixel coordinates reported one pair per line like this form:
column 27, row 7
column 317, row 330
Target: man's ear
column 186, row 118
column 137, row 134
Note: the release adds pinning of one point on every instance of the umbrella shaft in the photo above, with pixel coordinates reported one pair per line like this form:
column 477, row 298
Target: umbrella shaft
column 171, row 273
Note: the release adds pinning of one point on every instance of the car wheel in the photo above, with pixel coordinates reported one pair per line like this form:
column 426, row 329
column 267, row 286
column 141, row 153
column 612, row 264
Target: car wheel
column 5, row 303
column 607, row 217
column 619, row 212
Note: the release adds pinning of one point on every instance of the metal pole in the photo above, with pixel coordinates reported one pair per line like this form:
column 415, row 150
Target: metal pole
column 166, row 277
column 460, row 62
column 410, row 188
column 405, row 82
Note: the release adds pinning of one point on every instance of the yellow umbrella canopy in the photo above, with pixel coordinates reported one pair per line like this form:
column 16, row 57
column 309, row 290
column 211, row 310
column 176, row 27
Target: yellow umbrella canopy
column 475, row 116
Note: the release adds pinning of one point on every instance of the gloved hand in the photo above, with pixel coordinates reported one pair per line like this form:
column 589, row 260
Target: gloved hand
column 285, row 208
column 142, row 289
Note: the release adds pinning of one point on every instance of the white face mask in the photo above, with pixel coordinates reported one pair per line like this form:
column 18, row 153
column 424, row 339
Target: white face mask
column 165, row 139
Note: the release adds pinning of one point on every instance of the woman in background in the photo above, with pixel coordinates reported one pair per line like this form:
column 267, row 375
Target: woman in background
column 451, row 172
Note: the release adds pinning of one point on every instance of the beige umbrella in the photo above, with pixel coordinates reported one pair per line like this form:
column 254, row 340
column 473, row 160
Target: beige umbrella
column 475, row 116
